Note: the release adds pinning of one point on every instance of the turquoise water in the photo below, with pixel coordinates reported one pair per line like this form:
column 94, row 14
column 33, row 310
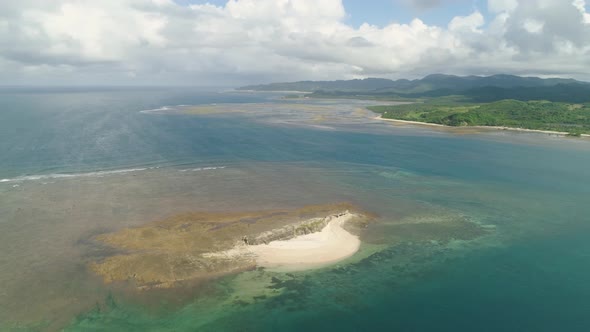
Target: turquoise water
column 79, row 163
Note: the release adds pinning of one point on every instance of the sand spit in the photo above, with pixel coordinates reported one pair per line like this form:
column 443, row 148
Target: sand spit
column 330, row 245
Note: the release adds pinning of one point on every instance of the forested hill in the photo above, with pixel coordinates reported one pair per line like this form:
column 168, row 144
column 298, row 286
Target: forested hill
column 539, row 115
column 570, row 93
column 429, row 83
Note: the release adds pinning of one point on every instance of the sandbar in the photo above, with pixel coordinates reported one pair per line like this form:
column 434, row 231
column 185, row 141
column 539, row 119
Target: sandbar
column 330, row 245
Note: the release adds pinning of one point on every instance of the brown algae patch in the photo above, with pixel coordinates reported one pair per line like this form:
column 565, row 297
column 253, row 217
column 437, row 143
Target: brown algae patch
column 164, row 253
column 244, row 108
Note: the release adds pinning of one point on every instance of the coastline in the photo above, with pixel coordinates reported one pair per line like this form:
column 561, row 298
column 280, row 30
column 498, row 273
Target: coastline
column 524, row 130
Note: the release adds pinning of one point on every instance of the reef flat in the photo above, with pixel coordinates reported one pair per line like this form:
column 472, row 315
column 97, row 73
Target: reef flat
column 168, row 252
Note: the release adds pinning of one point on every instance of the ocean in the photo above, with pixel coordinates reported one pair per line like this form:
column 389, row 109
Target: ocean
column 474, row 230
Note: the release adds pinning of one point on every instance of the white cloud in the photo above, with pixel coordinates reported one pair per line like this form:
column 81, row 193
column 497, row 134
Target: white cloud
column 161, row 42
column 533, row 26
column 470, row 23
column 581, row 6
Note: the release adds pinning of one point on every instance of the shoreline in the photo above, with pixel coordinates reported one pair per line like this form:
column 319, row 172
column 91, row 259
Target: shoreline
column 522, row 130
column 310, row 251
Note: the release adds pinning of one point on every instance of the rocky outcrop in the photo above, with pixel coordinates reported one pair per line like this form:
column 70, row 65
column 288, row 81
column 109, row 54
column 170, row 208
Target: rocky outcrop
column 290, row 231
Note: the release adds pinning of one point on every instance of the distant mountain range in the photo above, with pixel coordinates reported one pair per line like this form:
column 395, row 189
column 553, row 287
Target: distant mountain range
column 475, row 88
column 403, row 86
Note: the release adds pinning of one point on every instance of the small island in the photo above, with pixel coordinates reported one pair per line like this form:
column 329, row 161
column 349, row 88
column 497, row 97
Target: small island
column 192, row 247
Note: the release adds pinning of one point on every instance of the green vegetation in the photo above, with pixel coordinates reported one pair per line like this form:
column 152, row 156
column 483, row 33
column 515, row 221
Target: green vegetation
column 539, row 115
column 361, row 96
column 437, row 84
column 499, row 100
column 567, row 93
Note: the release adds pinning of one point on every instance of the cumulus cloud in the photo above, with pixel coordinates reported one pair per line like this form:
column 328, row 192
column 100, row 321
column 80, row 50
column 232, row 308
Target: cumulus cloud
column 162, row 42
column 548, row 28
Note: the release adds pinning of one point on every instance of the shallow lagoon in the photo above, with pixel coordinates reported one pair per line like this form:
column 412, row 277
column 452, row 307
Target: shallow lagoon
column 527, row 271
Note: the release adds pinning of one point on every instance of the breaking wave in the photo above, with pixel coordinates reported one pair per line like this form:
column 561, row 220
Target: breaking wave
column 72, row 175
column 202, row 169
column 97, row 174
column 157, row 110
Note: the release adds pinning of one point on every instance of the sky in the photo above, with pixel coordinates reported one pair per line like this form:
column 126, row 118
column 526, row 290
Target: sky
column 237, row 42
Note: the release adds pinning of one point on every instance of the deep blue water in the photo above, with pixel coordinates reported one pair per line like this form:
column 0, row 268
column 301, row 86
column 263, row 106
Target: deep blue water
column 535, row 190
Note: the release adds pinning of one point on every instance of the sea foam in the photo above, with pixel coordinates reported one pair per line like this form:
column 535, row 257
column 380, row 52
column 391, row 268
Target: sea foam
column 157, row 110
column 96, row 174
column 72, row 175
column 202, row 169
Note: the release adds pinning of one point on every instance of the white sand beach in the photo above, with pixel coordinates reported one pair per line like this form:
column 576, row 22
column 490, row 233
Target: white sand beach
column 330, row 245
column 549, row 132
